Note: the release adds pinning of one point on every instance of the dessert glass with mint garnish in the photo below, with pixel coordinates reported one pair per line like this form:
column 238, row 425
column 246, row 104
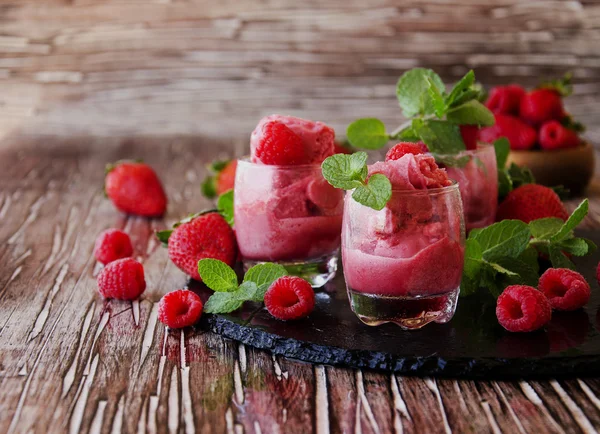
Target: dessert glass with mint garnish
column 448, row 124
column 285, row 211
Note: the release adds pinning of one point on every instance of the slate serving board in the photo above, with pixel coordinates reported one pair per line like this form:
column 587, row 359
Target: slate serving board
column 472, row 345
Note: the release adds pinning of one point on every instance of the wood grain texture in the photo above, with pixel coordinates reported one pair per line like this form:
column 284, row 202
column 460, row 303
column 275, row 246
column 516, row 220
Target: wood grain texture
column 72, row 362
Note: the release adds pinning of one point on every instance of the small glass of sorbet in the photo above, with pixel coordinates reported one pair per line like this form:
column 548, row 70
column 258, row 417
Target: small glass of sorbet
column 478, row 183
column 404, row 264
column 288, row 215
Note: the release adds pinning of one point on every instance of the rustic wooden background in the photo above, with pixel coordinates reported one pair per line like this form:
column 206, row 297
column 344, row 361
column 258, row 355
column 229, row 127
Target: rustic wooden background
column 179, row 83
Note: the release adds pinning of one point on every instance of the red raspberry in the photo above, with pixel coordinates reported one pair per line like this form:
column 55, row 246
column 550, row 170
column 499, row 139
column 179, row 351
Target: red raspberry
column 505, row 99
column 279, row 145
column 122, row 279
column 531, row 202
column 553, row 135
column 522, row 308
column 401, row 149
column 566, row 289
column 520, row 135
column 206, row 236
column 178, row 309
column 290, row 297
column 135, row 189
column 112, row 244
column 225, row 179
column 541, row 105
column 470, row 135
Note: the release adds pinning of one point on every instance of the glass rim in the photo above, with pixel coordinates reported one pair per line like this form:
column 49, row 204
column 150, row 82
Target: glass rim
column 426, row 191
column 481, row 146
column 245, row 160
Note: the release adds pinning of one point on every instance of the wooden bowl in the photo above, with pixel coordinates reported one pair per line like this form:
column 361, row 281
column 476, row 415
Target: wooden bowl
column 572, row 168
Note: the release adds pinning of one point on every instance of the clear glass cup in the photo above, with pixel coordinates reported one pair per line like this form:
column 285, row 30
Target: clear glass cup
column 478, row 183
column 290, row 215
column 404, row 264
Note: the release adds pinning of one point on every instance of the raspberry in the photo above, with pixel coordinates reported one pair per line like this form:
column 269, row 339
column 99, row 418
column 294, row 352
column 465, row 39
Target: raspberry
column 531, row 202
column 522, row 308
column 178, row 309
column 279, row 145
column 553, row 135
column 122, row 279
column 112, row 244
column 505, row 99
column 541, row 105
column 520, row 135
column 290, row 297
column 135, row 189
column 225, row 179
column 403, row 148
column 470, row 135
column 205, row 236
column 565, row 289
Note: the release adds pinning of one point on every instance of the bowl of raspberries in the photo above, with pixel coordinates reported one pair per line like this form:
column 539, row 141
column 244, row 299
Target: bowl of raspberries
column 542, row 135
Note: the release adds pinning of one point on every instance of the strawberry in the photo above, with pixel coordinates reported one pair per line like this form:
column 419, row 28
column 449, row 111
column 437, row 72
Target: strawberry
column 399, row 150
column 279, row 145
column 203, row 236
column 541, row 105
column 470, row 135
column 520, row 135
column 135, row 189
column 553, row 135
column 505, row 99
column 531, row 202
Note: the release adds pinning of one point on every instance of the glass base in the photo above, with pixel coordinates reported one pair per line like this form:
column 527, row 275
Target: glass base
column 410, row 313
column 316, row 271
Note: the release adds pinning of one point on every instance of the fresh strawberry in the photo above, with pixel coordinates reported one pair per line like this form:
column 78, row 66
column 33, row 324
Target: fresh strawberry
column 531, row 202
column 541, row 105
column 520, row 135
column 135, row 189
column 205, row 236
column 553, row 135
column 279, row 145
column 401, row 149
column 505, row 99
column 470, row 135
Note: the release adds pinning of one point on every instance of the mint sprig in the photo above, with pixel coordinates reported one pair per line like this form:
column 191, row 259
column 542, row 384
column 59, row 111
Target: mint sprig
column 510, row 177
column 225, row 206
column 228, row 296
column 349, row 172
column 506, row 252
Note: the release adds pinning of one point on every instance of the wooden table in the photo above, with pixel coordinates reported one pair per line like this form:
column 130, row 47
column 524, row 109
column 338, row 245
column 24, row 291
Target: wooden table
column 70, row 361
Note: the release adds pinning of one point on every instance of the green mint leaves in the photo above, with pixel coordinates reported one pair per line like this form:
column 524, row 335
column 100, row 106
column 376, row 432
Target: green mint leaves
column 434, row 115
column 225, row 206
column 209, row 185
column 228, row 296
column 510, row 177
column 506, row 253
column 349, row 172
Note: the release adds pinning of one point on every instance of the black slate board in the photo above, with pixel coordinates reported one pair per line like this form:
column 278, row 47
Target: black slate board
column 472, row 345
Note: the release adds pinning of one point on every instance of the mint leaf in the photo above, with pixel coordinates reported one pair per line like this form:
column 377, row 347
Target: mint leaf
column 412, row 91
column 263, row 275
column 408, row 134
column 574, row 219
column 248, row 291
column 520, row 175
column 441, row 137
column 500, row 269
column 208, row 187
column 222, row 302
column 217, row 166
column 471, row 113
column 563, row 85
column 437, row 99
column 574, row 246
column 345, row 171
column 367, row 133
column 559, row 260
column 460, row 87
column 473, row 258
column 545, row 228
column 163, row 236
column 451, row 160
column 522, row 272
column 225, row 206
column 376, row 193
column 502, row 148
column 508, row 238
column 505, row 184
column 217, row 275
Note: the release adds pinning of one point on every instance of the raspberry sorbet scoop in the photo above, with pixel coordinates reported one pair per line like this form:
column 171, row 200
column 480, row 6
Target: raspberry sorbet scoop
column 411, row 172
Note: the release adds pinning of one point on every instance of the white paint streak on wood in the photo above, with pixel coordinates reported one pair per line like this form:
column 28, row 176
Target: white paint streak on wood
column 56, row 242
column 321, row 400
column 149, row 333
column 239, row 428
column 509, row 408
column 277, row 367
column 257, row 429
column 357, row 420
column 173, row 404
column 70, row 375
column 490, row 417
column 400, row 409
column 42, row 317
column 588, row 392
column 79, row 408
column 103, row 321
column 237, row 383
column 24, row 256
column 96, row 426
column 162, row 362
column 97, row 269
column 360, row 385
column 229, row 421
column 135, row 309
column 242, row 357
column 432, row 385
column 12, row 277
column 118, row 420
column 577, row 412
column 186, row 395
column 31, row 217
column 284, row 415
column 152, row 409
column 23, row 370
column 459, row 392
column 141, row 426
column 532, row 395
column 5, row 207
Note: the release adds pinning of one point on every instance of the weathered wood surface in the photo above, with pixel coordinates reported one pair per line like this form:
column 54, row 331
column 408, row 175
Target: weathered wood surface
column 71, row 362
